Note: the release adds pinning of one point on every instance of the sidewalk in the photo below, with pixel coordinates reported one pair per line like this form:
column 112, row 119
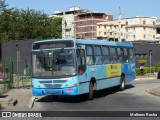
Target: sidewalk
column 147, row 77
column 16, row 99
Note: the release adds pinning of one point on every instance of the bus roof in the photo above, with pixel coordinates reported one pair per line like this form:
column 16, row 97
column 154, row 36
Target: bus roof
column 90, row 42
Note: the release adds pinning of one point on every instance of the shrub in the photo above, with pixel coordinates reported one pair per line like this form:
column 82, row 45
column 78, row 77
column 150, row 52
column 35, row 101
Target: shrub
column 142, row 62
column 138, row 71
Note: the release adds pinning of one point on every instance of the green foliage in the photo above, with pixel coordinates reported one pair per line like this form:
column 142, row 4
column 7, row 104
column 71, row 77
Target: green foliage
column 19, row 24
column 3, row 5
column 138, row 71
column 157, row 66
column 147, row 70
column 142, row 62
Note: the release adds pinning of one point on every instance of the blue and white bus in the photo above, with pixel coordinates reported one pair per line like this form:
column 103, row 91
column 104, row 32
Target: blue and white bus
column 79, row 66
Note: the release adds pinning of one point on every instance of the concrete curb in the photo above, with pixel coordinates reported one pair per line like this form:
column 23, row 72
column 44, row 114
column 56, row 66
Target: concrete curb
column 152, row 93
column 31, row 102
column 149, row 78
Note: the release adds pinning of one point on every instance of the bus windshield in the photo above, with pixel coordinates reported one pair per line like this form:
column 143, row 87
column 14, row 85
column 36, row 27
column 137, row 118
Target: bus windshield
column 53, row 63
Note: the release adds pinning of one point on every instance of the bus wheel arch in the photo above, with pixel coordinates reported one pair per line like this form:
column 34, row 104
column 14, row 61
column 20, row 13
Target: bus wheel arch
column 92, row 87
column 122, row 82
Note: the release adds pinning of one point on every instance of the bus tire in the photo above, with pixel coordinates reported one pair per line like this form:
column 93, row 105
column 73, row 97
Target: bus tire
column 122, row 84
column 90, row 94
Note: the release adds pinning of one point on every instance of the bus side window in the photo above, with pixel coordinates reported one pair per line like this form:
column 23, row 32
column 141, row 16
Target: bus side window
column 131, row 55
column 98, row 55
column 105, row 52
column 113, row 54
column 125, row 55
column 89, row 58
column 119, row 56
column 81, row 61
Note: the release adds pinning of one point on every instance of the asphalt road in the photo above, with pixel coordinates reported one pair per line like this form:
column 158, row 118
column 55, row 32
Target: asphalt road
column 133, row 98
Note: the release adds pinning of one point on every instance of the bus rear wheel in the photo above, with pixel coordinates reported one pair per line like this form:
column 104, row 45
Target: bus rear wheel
column 122, row 84
column 90, row 94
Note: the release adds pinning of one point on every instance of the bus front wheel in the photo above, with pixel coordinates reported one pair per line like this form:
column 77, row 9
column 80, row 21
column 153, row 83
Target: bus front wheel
column 90, row 94
column 122, row 84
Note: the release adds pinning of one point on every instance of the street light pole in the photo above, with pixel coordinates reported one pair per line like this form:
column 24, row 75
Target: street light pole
column 119, row 25
column 150, row 57
column 63, row 26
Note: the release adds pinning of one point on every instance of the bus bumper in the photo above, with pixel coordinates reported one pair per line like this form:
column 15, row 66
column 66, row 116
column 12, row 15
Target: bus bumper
column 58, row 91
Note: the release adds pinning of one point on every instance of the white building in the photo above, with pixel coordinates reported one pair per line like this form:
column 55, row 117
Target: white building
column 68, row 28
column 132, row 29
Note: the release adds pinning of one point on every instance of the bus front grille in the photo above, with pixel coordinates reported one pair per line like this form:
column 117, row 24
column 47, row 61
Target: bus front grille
column 53, row 85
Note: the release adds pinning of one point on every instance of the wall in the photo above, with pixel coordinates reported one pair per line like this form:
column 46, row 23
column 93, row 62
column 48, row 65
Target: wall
column 10, row 49
column 142, row 53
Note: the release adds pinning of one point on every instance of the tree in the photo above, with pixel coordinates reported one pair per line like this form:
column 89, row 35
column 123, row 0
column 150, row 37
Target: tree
column 28, row 24
column 3, row 5
column 56, row 27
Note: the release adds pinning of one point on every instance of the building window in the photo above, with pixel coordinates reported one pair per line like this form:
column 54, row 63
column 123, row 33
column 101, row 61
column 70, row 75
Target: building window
column 88, row 34
column 134, row 36
column 133, row 29
column 104, row 26
column 99, row 26
column 104, row 33
column 76, row 36
column 153, row 36
column 144, row 22
column 126, row 23
column 153, row 22
column 110, row 33
column 144, row 36
column 144, row 29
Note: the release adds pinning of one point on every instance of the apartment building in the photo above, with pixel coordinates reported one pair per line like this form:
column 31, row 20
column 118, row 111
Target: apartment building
column 158, row 30
column 86, row 24
column 136, row 29
column 68, row 28
column 81, row 23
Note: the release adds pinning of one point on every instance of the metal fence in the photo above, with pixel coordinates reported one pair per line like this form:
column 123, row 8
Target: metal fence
column 14, row 75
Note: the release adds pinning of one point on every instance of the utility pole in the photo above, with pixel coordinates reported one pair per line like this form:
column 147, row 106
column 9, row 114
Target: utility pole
column 150, row 59
column 119, row 23
column 63, row 26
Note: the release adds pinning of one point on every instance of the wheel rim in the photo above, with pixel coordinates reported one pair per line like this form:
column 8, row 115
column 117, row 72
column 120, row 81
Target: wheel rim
column 122, row 84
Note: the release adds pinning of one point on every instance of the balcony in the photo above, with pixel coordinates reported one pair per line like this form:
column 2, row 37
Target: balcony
column 141, row 25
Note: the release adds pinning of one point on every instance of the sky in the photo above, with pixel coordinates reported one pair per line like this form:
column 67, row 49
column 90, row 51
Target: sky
column 129, row 8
